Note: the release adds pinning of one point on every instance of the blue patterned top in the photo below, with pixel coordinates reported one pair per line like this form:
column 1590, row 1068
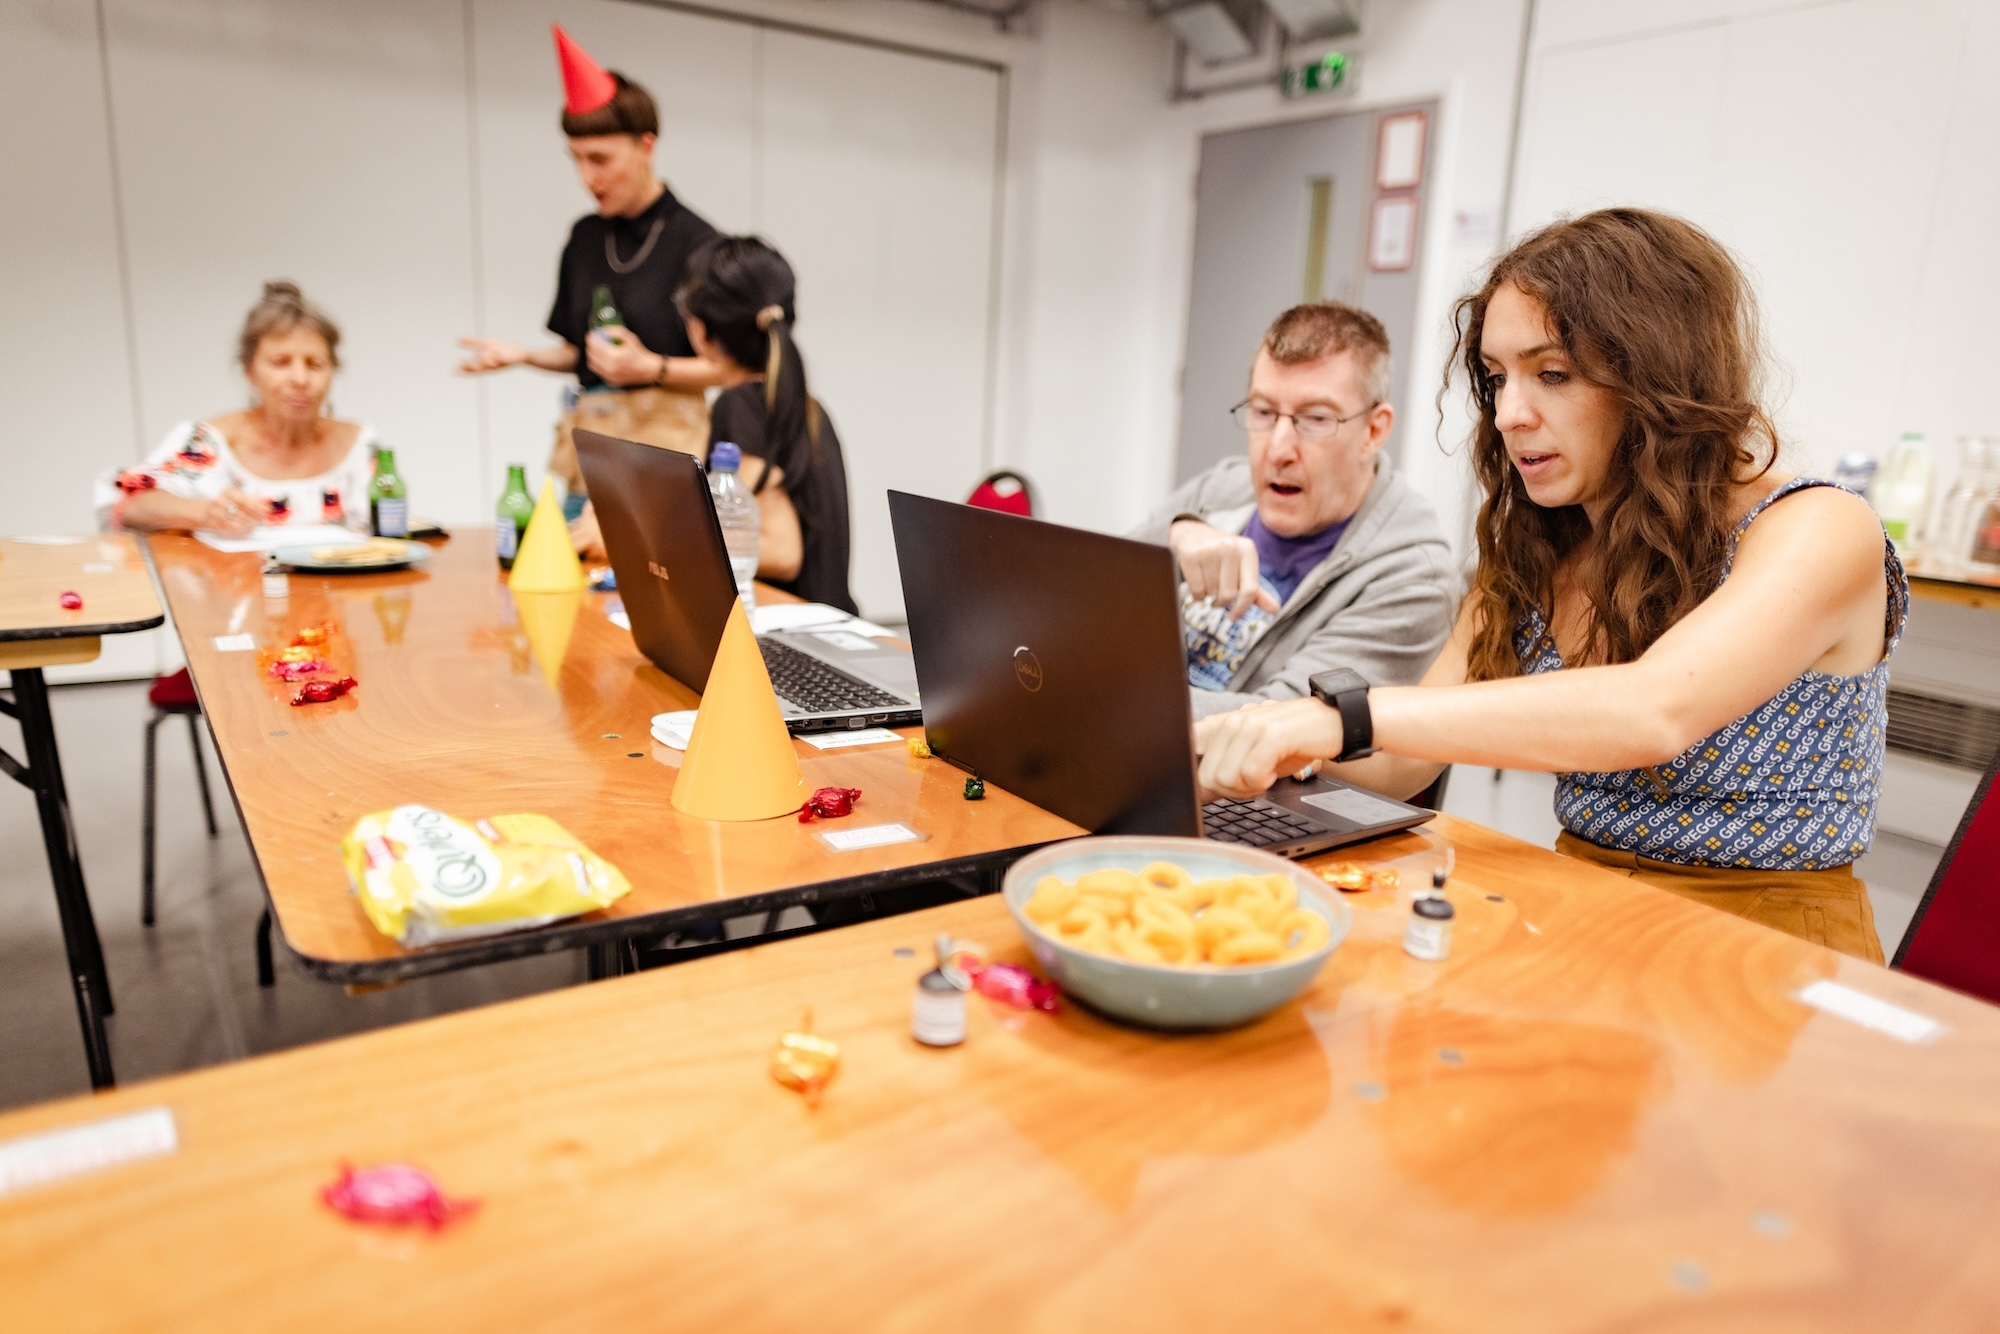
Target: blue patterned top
column 1790, row 786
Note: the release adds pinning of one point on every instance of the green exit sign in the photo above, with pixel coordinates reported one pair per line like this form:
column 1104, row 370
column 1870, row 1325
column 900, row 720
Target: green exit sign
column 1324, row 75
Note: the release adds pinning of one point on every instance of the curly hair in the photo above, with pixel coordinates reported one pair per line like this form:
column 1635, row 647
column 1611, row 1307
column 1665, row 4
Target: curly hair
column 1653, row 309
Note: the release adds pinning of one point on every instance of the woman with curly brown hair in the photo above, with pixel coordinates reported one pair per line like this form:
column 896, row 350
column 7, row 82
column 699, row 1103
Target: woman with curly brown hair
column 1695, row 643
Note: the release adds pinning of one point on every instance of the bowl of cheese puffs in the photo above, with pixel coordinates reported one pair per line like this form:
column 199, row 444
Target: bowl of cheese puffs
column 1174, row 933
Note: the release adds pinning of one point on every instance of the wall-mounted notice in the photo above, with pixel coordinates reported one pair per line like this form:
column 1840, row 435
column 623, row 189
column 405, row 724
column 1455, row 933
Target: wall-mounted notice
column 1392, row 233
column 1399, row 151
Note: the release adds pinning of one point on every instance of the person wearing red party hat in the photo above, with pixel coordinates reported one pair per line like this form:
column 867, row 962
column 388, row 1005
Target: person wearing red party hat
column 638, row 375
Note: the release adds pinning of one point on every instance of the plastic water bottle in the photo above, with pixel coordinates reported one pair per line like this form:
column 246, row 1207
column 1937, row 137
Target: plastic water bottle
column 737, row 509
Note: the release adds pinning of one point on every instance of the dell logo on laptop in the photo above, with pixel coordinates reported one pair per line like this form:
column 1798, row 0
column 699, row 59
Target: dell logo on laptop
column 1027, row 669
column 656, row 569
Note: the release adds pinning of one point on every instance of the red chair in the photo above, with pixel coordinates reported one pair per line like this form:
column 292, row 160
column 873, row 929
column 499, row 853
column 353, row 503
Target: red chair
column 1955, row 938
column 1006, row 491
column 170, row 696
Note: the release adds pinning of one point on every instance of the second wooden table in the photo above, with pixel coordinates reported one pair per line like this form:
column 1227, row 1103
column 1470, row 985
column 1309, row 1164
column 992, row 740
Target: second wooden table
column 475, row 705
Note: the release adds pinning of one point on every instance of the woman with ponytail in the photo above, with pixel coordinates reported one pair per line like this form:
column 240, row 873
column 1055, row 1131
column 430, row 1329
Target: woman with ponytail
column 737, row 301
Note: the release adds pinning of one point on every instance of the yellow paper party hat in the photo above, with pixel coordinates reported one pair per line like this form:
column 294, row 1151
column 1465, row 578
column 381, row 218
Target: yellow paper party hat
column 548, row 619
column 740, row 763
column 546, row 563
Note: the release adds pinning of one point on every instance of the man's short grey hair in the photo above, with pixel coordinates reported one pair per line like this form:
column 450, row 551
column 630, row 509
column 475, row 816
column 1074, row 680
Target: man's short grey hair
column 1319, row 329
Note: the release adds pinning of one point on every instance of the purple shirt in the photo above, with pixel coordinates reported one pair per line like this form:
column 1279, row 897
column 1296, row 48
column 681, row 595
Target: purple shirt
column 1286, row 561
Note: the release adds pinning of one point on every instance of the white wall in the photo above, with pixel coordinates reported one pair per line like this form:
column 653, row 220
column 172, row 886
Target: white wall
column 1845, row 151
column 1101, row 225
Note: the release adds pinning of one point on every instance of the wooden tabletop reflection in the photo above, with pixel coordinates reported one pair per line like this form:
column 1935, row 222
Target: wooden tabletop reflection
column 1605, row 1111
column 477, row 702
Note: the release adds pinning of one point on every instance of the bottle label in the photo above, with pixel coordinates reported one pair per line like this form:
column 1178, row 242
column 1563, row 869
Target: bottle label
column 506, row 537
column 392, row 518
column 1425, row 938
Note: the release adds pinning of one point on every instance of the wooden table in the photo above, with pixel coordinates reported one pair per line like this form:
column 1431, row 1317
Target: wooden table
column 477, row 706
column 36, row 631
column 1971, row 589
column 1604, row 1112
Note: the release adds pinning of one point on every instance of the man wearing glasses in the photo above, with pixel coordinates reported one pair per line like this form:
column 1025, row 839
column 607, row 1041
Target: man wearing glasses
column 1308, row 553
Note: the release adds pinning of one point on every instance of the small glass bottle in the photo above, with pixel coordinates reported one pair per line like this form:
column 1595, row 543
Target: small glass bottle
column 276, row 583
column 511, row 515
column 604, row 313
column 388, row 499
column 1428, row 935
column 937, row 1013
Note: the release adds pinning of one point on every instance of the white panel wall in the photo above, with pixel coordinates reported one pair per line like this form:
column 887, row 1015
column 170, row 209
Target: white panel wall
column 66, row 402
column 877, row 183
column 1844, row 151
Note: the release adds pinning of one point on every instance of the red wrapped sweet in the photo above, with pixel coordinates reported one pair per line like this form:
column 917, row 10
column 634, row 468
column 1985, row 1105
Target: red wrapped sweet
column 394, row 1194
column 1011, row 984
column 829, row 803
column 296, row 671
column 70, row 601
column 323, row 692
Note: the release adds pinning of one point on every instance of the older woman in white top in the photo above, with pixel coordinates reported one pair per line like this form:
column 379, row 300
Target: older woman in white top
column 280, row 460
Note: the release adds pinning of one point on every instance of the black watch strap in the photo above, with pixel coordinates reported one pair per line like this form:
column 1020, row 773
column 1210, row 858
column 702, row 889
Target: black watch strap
column 1344, row 691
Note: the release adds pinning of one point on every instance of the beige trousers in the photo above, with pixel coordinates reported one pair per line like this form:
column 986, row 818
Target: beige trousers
column 669, row 418
column 1828, row 907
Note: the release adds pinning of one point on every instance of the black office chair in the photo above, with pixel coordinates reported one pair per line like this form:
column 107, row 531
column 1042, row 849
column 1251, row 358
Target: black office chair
column 1432, row 797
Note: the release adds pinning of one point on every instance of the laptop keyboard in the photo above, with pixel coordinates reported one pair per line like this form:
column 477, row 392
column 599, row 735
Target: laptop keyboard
column 811, row 686
column 1256, row 823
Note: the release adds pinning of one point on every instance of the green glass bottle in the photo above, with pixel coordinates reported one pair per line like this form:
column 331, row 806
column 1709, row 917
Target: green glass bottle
column 510, row 517
column 388, row 501
column 605, row 315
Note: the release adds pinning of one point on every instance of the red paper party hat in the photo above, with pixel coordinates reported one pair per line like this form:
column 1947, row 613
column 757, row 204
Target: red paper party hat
column 586, row 86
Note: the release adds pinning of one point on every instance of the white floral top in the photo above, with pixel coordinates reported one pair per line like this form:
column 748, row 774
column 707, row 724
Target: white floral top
column 195, row 461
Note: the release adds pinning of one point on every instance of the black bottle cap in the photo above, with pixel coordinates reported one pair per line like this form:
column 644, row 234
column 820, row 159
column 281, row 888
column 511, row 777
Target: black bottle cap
column 1433, row 907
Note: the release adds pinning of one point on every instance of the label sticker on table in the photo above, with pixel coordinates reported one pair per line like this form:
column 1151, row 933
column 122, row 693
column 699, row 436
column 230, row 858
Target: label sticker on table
column 234, row 643
column 1351, row 804
column 862, row 736
column 870, row 836
column 1860, row 1008
column 35, row 1160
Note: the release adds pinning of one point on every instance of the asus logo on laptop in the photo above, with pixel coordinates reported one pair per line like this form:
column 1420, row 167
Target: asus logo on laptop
column 656, row 569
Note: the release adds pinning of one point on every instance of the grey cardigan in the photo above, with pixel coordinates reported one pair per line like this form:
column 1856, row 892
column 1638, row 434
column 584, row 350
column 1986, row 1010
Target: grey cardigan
column 1382, row 601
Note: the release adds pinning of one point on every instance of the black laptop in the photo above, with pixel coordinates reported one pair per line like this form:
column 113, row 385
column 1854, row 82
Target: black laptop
column 658, row 519
column 1052, row 663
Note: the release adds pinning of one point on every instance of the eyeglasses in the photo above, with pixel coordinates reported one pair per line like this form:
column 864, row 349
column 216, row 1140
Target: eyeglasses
column 1312, row 424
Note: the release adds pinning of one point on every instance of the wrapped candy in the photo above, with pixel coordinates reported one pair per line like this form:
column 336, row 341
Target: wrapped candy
column 1011, row 984
column 1349, row 878
column 975, row 789
column 134, row 480
column 394, row 1194
column 804, row 1062
column 313, row 636
column 829, row 803
column 919, row 748
column 296, row 671
column 70, row 601
column 323, row 692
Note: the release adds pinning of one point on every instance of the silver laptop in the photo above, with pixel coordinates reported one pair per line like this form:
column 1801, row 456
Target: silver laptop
column 665, row 543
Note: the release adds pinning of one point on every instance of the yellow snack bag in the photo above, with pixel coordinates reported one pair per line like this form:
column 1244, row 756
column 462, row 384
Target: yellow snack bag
column 424, row 877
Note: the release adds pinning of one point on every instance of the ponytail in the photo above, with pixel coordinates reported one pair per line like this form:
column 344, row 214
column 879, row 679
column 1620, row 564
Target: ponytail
column 742, row 290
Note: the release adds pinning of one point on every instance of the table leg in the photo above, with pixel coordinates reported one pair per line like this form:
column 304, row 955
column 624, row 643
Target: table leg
column 86, row 954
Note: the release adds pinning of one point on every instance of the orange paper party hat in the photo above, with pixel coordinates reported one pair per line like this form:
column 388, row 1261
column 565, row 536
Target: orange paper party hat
column 740, row 764
column 546, row 562
column 586, row 85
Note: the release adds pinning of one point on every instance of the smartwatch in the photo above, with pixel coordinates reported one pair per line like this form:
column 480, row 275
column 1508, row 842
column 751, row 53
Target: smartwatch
column 1343, row 691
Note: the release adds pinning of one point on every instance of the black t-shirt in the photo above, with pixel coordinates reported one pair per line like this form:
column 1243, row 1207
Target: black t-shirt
column 645, row 296
column 815, row 479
